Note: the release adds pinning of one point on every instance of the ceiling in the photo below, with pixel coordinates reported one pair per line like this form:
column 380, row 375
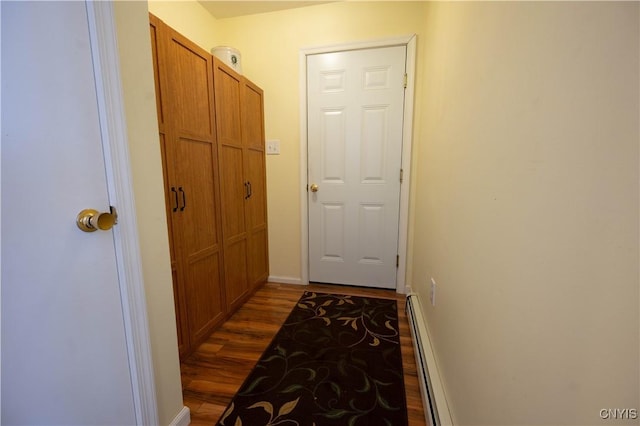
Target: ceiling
column 230, row 9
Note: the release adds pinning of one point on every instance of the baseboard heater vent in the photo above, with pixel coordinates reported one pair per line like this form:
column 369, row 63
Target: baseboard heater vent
column 436, row 410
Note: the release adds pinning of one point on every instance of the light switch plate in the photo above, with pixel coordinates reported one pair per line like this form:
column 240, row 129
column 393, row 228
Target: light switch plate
column 273, row 147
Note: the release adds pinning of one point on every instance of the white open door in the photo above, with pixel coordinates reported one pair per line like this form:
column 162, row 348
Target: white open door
column 355, row 103
column 67, row 356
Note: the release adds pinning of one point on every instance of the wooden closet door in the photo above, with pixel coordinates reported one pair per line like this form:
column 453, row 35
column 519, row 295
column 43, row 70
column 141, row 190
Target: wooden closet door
column 256, row 204
column 158, row 34
column 193, row 152
column 234, row 187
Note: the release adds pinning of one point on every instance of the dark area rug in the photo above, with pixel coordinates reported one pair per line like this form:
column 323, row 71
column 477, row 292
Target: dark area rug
column 335, row 361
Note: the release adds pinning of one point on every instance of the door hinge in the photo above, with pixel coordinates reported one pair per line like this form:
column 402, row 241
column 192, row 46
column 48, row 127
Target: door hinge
column 397, row 261
column 401, row 175
column 404, row 80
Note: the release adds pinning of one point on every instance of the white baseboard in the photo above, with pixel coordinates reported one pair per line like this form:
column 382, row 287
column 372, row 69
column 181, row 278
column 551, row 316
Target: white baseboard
column 285, row 280
column 433, row 397
column 182, row 419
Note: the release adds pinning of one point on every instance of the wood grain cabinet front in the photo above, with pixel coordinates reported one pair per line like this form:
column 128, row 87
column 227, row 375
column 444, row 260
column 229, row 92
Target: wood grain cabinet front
column 212, row 142
column 240, row 134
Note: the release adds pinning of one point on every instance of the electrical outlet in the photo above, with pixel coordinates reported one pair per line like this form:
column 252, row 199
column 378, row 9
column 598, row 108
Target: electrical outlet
column 273, row 147
column 432, row 293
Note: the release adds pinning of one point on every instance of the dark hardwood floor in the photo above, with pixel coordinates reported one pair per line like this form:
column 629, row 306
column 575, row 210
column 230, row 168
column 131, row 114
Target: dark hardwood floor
column 215, row 371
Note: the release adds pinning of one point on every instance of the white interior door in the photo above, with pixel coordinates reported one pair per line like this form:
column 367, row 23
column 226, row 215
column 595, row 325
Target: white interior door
column 64, row 352
column 355, row 114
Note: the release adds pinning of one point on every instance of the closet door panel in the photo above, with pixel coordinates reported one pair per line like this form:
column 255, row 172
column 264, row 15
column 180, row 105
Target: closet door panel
column 259, row 255
column 257, row 202
column 189, row 69
column 256, row 208
column 234, row 187
column 178, row 304
column 171, row 205
column 233, row 225
column 236, row 280
column 154, row 23
column 206, row 307
column 228, row 114
column 197, row 208
column 252, row 116
column 186, row 113
column 158, row 34
column 255, row 171
column 197, row 215
column 233, row 191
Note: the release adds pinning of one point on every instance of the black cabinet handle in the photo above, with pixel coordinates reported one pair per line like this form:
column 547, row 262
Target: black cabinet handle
column 250, row 190
column 184, row 199
column 246, row 190
column 175, row 193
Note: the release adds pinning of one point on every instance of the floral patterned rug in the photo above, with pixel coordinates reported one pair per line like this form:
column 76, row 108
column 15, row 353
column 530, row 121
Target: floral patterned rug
column 335, row 361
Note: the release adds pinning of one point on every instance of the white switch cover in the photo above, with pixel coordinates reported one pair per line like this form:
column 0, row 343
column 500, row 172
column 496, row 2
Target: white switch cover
column 273, row 147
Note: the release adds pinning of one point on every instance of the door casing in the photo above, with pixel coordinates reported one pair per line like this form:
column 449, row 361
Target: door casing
column 407, row 131
column 102, row 29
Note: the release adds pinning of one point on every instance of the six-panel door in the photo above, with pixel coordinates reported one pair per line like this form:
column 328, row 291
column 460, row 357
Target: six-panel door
column 355, row 113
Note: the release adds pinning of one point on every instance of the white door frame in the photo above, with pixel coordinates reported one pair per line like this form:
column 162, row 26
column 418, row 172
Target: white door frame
column 106, row 66
column 407, row 140
column 119, row 183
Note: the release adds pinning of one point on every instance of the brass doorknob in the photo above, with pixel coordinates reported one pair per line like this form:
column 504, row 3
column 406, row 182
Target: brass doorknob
column 313, row 187
column 90, row 220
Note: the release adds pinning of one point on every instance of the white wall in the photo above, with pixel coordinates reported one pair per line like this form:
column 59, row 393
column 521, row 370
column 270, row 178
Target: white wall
column 526, row 208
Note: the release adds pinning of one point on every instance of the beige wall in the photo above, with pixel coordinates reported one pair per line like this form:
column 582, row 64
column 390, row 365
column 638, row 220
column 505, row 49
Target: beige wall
column 527, row 213
column 189, row 18
column 142, row 130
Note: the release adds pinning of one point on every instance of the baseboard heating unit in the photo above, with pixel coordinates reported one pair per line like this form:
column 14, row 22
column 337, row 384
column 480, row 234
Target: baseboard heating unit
column 436, row 410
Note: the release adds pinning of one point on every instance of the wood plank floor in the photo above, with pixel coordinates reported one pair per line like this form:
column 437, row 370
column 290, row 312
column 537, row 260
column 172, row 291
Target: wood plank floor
column 214, row 372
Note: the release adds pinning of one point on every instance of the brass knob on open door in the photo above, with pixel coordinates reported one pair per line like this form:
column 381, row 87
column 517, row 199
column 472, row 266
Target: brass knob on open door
column 90, row 220
column 313, row 187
